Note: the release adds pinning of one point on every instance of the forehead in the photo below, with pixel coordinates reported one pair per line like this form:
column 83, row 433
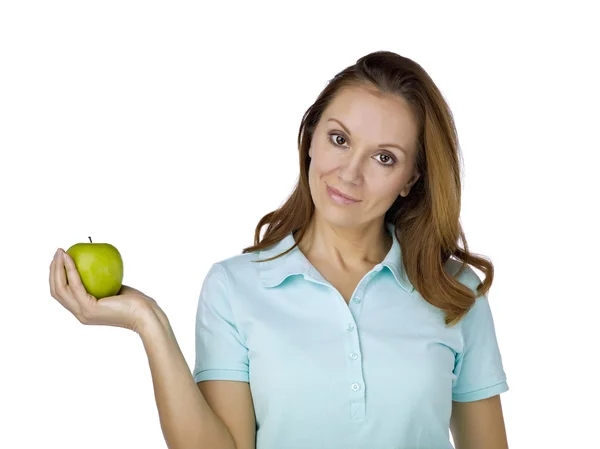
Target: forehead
column 373, row 116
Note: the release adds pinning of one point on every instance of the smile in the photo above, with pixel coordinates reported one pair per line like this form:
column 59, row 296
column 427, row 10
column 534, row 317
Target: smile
column 339, row 197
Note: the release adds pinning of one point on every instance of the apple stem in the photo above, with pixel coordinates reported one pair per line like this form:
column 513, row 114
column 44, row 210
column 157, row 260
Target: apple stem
column 90, row 239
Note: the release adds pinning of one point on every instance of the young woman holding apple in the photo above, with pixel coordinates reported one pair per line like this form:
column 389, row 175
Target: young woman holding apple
column 355, row 321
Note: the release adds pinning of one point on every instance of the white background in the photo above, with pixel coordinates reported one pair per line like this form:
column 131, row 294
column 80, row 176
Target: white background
column 169, row 129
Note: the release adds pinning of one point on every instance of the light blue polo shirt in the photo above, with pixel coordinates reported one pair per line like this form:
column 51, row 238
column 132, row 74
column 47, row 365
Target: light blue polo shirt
column 380, row 372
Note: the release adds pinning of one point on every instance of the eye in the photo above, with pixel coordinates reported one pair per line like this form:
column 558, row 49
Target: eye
column 336, row 139
column 388, row 160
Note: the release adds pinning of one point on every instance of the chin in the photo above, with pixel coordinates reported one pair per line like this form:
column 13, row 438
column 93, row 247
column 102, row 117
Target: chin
column 339, row 218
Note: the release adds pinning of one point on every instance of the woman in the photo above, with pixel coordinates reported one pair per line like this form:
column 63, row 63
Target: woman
column 355, row 320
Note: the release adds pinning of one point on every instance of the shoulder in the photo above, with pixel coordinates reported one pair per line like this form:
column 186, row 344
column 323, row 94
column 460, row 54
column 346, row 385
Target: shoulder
column 237, row 270
column 480, row 312
column 467, row 277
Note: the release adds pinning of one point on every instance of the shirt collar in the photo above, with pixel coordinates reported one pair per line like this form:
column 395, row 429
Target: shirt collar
column 274, row 272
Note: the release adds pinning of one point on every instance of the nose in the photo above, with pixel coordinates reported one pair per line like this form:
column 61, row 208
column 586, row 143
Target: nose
column 350, row 170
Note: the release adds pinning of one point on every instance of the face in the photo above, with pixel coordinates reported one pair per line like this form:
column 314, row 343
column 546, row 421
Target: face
column 365, row 147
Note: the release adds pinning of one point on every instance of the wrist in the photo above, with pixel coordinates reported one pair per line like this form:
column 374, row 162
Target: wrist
column 150, row 320
column 161, row 316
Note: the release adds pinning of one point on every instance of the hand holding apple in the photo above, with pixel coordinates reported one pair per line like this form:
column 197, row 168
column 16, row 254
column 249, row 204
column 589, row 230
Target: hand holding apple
column 127, row 308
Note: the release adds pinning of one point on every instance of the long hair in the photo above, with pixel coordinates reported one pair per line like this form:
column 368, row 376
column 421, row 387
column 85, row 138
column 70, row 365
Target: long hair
column 427, row 221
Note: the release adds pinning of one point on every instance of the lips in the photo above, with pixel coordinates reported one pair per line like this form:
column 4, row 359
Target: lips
column 343, row 195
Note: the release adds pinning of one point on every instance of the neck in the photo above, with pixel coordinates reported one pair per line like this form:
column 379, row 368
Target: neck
column 347, row 248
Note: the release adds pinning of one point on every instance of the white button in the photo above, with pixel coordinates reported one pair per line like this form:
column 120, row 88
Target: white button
column 353, row 355
column 378, row 267
column 357, row 300
column 350, row 327
column 355, row 387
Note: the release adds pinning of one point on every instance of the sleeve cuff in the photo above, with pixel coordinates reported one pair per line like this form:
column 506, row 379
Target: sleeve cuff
column 482, row 393
column 222, row 374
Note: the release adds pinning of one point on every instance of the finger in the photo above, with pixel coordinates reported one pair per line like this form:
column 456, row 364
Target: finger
column 60, row 290
column 74, row 280
column 60, row 281
column 126, row 290
column 51, row 275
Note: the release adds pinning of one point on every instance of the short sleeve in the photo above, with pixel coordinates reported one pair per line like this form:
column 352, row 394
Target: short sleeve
column 221, row 353
column 478, row 368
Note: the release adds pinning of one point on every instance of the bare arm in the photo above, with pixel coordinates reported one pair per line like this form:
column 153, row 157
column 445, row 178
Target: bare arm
column 187, row 420
column 232, row 402
column 478, row 424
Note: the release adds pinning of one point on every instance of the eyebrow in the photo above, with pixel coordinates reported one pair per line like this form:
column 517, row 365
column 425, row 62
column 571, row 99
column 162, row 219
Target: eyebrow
column 381, row 144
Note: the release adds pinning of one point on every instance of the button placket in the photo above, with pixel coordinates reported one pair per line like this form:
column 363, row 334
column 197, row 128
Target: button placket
column 356, row 389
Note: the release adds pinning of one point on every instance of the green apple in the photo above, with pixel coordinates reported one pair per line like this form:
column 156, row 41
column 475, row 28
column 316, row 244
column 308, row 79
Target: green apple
column 100, row 267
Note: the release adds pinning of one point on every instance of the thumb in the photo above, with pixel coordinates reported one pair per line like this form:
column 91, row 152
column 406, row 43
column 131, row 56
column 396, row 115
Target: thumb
column 126, row 290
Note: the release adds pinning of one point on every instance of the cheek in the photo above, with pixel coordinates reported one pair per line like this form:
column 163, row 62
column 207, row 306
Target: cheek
column 324, row 160
column 385, row 188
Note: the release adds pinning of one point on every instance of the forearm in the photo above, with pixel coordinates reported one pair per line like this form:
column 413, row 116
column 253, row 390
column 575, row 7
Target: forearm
column 186, row 419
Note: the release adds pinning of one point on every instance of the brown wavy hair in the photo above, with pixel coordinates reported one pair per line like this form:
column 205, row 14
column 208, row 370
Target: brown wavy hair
column 428, row 219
